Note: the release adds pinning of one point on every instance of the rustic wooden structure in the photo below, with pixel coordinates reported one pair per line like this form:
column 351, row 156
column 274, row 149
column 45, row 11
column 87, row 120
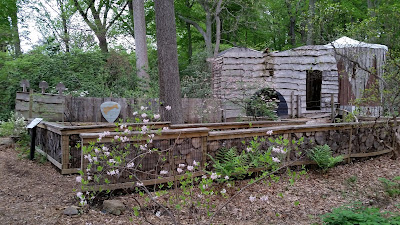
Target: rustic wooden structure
column 360, row 65
column 58, row 107
column 352, row 140
column 59, row 141
column 311, row 79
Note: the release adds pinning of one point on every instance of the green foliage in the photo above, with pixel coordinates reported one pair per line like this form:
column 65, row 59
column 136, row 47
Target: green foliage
column 392, row 187
column 263, row 103
column 196, row 78
column 233, row 163
column 322, row 154
column 83, row 73
column 357, row 214
column 14, row 126
column 228, row 162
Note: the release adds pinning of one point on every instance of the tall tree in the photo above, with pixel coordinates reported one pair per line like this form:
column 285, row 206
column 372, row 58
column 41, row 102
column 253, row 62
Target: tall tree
column 9, row 32
column 170, row 87
column 142, row 63
column 96, row 15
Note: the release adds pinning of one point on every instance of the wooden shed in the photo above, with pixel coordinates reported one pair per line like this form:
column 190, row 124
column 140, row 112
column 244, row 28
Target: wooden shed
column 308, row 78
column 359, row 66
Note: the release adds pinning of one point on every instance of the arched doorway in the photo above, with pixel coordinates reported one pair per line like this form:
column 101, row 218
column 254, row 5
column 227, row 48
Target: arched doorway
column 267, row 102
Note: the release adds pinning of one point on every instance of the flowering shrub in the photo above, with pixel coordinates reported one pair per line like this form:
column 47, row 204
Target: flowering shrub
column 14, row 126
column 126, row 159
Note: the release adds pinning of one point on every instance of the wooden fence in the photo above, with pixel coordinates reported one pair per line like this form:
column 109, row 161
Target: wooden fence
column 352, row 140
column 62, row 108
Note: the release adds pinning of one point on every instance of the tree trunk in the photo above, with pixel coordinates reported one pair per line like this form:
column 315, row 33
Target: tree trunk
column 190, row 48
column 15, row 31
column 218, row 28
column 101, row 36
column 170, row 88
column 310, row 24
column 142, row 63
column 208, row 38
column 63, row 15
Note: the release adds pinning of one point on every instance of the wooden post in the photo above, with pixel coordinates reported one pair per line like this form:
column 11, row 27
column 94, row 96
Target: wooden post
column 204, row 151
column 332, row 108
column 65, row 151
column 30, row 102
column 33, row 137
column 292, row 105
column 298, row 106
column 350, row 144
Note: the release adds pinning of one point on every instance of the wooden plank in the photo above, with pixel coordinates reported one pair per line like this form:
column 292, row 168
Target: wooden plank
column 30, row 103
column 22, row 96
column 65, row 151
column 70, row 171
column 57, row 164
column 49, row 99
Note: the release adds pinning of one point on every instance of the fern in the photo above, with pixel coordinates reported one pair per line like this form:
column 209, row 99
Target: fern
column 322, row 154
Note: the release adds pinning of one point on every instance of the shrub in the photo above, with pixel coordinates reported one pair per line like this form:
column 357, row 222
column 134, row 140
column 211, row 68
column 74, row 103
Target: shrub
column 322, row 154
column 357, row 214
column 392, row 187
column 14, row 126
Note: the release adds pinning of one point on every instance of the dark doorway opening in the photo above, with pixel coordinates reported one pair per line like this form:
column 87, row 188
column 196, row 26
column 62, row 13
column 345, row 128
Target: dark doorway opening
column 313, row 89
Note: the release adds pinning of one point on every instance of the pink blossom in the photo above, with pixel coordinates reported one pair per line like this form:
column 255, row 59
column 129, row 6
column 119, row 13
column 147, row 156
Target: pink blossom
column 269, row 132
column 248, row 149
column 264, row 198
column 144, row 115
column 96, row 150
column 135, row 113
column 214, row 176
column 145, row 120
column 252, row 199
column 143, row 108
column 195, row 163
column 78, row 179
column 163, row 172
column 165, row 128
column 179, row 170
column 79, row 194
column 168, row 107
column 276, row 160
column 156, row 116
column 130, row 165
column 226, row 178
column 139, row 184
column 190, row 168
column 112, row 161
column 181, row 165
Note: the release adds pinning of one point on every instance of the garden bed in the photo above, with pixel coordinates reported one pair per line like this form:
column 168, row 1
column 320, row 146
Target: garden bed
column 58, row 141
column 351, row 140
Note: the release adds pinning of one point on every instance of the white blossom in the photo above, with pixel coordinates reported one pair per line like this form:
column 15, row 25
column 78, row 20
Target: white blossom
column 168, row 107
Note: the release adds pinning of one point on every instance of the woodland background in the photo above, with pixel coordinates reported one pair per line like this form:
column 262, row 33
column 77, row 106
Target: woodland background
column 88, row 44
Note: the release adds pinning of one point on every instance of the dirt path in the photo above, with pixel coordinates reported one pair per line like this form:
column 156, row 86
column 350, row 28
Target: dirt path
column 35, row 193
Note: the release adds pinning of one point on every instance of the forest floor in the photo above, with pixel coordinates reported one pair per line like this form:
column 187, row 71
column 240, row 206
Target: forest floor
column 35, row 193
